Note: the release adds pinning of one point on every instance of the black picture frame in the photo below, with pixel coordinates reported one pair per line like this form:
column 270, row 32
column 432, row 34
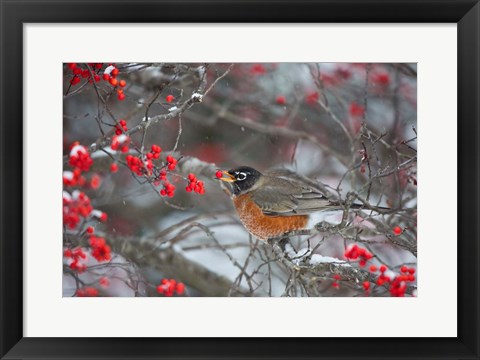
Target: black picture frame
column 466, row 13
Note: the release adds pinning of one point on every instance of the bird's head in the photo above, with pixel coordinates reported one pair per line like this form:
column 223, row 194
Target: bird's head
column 242, row 179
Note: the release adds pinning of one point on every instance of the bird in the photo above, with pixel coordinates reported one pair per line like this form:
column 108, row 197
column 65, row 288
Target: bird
column 276, row 202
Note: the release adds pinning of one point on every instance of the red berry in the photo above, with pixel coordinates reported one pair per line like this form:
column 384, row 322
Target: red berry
column 106, row 77
column 122, row 83
column 75, row 80
column 114, row 168
column 356, row 110
column 115, row 72
column 113, row 81
column 103, row 217
column 366, row 285
column 121, row 97
column 180, row 288
column 404, row 269
column 104, row 282
column 95, row 182
column 383, row 268
column 373, row 268
column 397, row 230
column 281, row 100
column 72, row 66
column 90, row 230
column 170, row 98
column 219, row 174
column 382, row 79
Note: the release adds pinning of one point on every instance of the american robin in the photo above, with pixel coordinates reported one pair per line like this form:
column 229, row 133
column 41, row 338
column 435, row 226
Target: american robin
column 272, row 204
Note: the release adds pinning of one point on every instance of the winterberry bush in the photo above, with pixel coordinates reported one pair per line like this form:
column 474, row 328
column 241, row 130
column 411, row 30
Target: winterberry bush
column 144, row 145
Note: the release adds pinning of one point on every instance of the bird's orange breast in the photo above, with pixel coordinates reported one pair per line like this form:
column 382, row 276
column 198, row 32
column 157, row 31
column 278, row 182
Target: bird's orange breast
column 262, row 226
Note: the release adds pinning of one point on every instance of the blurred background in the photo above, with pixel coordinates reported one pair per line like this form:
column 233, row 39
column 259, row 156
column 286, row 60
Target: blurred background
column 349, row 126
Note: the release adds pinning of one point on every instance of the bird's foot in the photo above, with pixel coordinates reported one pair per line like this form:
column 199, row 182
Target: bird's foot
column 328, row 227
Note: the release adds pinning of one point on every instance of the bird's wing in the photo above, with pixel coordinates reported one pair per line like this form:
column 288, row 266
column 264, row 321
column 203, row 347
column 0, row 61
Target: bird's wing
column 287, row 197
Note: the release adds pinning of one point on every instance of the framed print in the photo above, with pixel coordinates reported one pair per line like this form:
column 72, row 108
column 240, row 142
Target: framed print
column 250, row 180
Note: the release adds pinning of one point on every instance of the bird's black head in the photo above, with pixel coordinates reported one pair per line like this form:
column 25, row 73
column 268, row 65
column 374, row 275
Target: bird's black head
column 242, row 178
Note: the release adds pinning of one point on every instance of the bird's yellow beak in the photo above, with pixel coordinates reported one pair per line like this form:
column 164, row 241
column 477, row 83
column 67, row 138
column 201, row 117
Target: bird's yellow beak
column 229, row 178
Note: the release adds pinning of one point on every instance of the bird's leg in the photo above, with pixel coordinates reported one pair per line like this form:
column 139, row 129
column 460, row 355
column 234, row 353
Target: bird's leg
column 281, row 241
column 324, row 226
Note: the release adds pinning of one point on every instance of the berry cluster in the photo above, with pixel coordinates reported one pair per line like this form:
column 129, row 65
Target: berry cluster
column 383, row 278
column 162, row 176
column 110, row 75
column 399, row 284
column 354, row 252
column 75, row 206
column 168, row 189
column 135, row 164
column 79, row 157
column 73, row 178
column 336, row 284
column 76, row 255
column 79, row 73
column 81, row 161
column 87, row 292
column 100, row 249
column 169, row 287
column 171, row 162
column 121, row 142
column 145, row 166
column 155, row 152
column 122, row 127
column 195, row 185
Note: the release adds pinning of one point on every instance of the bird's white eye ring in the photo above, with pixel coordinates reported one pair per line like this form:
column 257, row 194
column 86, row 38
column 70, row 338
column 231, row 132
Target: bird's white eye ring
column 241, row 176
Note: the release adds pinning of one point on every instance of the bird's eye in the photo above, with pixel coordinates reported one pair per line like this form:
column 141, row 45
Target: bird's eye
column 241, row 176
